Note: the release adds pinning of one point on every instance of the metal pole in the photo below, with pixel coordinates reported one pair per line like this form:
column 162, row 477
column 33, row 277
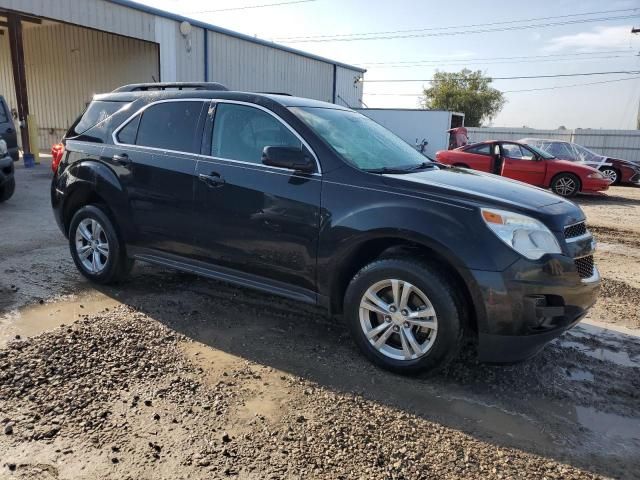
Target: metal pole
column 19, row 77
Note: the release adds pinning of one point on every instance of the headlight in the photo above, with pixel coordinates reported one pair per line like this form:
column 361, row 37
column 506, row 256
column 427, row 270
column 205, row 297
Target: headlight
column 596, row 175
column 3, row 148
column 525, row 235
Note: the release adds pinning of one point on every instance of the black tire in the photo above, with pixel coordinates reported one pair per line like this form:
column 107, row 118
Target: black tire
column 117, row 265
column 6, row 191
column 612, row 174
column 559, row 185
column 436, row 286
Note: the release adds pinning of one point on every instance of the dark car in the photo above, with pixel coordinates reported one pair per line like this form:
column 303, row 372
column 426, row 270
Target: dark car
column 7, row 178
column 318, row 203
column 620, row 172
column 8, row 130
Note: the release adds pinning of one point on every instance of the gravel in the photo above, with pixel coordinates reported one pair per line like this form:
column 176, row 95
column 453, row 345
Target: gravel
column 119, row 388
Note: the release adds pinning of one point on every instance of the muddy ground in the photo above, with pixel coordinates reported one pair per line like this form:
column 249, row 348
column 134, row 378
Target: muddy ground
column 173, row 376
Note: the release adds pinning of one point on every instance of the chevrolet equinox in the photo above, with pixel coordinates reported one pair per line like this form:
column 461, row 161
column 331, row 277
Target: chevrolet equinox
column 317, row 203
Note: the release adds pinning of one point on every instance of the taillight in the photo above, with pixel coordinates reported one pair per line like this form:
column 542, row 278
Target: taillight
column 57, row 151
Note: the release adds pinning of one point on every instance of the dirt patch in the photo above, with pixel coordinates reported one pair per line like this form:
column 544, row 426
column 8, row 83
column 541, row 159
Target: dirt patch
column 117, row 395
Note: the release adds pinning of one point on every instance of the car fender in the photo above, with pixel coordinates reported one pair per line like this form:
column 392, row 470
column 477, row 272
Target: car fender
column 92, row 178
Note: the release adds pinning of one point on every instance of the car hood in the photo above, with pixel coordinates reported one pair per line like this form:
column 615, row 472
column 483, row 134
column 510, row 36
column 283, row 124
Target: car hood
column 576, row 167
column 484, row 189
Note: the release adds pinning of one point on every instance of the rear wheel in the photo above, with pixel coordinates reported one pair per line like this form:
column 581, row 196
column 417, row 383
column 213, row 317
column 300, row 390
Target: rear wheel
column 96, row 247
column 611, row 174
column 403, row 316
column 6, row 191
column 565, row 185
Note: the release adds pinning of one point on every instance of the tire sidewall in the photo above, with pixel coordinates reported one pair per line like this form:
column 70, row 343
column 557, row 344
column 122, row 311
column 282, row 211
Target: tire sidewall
column 6, row 191
column 115, row 251
column 566, row 175
column 435, row 287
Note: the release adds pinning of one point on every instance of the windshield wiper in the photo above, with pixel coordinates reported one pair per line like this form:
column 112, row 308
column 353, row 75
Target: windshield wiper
column 387, row 170
column 424, row 165
column 398, row 170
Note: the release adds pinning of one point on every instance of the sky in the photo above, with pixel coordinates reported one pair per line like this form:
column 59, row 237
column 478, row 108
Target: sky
column 539, row 48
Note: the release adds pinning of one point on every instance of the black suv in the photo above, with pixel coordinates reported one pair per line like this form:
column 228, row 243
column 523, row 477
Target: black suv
column 8, row 130
column 318, row 203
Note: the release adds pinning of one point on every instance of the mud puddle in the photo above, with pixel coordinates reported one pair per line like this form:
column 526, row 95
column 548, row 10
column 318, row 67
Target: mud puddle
column 35, row 319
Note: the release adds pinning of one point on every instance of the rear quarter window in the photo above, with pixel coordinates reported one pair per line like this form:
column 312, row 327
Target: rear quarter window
column 95, row 113
column 484, row 149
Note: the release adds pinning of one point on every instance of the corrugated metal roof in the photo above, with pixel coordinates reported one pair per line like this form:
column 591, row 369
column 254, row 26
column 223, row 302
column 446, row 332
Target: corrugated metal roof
column 214, row 28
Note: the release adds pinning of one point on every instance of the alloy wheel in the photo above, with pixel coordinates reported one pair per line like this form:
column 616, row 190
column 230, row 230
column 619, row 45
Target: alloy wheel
column 565, row 186
column 398, row 319
column 610, row 174
column 92, row 245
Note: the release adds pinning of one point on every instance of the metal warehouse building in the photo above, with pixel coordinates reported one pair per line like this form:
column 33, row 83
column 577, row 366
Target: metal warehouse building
column 56, row 54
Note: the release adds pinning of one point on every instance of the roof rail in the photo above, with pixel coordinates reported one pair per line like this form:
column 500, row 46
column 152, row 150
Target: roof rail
column 275, row 93
column 145, row 87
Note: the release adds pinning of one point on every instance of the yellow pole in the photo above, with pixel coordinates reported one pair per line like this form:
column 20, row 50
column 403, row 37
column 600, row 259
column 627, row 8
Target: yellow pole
column 32, row 125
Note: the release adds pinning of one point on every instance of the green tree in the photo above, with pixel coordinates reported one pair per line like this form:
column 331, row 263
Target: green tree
column 466, row 92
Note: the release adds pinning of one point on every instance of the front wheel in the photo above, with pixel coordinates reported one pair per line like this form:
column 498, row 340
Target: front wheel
column 96, row 247
column 611, row 174
column 403, row 316
column 565, row 185
column 6, row 191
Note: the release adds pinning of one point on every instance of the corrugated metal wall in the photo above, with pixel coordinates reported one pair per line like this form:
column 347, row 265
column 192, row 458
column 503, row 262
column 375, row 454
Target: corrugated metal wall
column 242, row 65
column 96, row 14
column 624, row 144
column 348, row 90
column 7, row 89
column 67, row 65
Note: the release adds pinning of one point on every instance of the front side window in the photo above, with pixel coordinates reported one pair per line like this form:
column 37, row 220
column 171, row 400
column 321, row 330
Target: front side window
column 561, row 150
column 359, row 140
column 241, row 132
column 512, row 150
column 170, row 125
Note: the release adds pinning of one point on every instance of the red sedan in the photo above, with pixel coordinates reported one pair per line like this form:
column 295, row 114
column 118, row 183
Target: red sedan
column 527, row 164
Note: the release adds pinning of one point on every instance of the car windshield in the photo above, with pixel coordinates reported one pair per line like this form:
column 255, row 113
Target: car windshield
column 361, row 141
column 586, row 155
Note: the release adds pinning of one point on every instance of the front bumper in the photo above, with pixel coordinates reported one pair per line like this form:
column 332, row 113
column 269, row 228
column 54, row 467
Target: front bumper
column 530, row 304
column 595, row 185
column 633, row 179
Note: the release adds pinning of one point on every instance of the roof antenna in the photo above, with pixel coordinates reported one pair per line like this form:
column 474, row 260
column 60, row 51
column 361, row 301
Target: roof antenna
column 154, row 79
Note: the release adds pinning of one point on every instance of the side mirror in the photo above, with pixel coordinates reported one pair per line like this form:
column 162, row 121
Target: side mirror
column 288, row 157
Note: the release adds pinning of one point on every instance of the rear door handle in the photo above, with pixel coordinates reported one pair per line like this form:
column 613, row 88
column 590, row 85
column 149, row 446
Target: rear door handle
column 213, row 180
column 122, row 159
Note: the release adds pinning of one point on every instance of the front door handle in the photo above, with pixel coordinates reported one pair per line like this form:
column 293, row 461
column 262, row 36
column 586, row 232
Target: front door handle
column 122, row 159
column 214, row 180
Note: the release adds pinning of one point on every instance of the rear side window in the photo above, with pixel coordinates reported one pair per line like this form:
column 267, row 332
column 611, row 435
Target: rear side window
column 171, row 126
column 95, row 113
column 484, row 149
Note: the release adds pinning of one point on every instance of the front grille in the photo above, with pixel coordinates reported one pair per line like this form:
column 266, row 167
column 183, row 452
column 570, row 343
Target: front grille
column 576, row 230
column 584, row 266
